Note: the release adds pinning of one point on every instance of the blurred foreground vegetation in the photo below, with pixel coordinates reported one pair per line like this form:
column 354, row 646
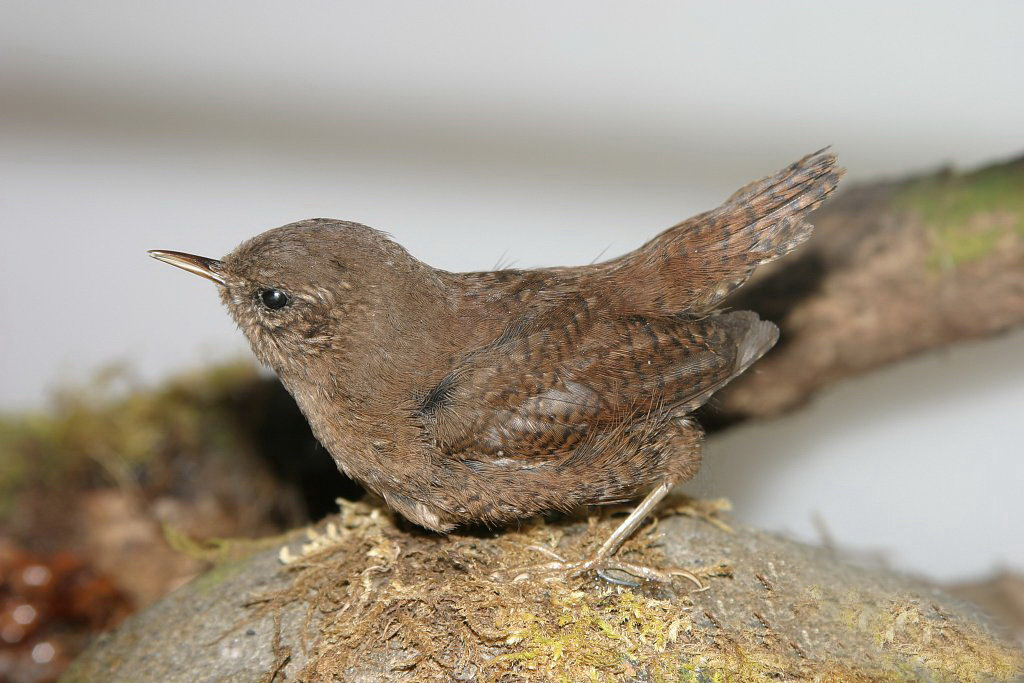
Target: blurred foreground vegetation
column 99, row 493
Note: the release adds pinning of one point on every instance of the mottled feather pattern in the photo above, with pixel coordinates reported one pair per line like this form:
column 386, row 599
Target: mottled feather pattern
column 698, row 262
column 578, row 383
column 492, row 396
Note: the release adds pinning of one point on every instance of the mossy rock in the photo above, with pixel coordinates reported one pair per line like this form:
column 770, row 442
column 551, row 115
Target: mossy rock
column 363, row 599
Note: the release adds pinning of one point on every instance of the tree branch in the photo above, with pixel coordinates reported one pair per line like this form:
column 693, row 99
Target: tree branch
column 893, row 269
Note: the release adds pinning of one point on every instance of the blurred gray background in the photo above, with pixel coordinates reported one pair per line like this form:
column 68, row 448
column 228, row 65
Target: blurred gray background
column 530, row 133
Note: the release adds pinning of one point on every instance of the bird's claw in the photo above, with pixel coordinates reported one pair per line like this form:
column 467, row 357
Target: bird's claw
column 559, row 570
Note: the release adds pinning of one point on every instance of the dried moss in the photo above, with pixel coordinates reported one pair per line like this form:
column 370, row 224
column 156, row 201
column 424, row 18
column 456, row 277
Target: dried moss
column 424, row 608
column 915, row 637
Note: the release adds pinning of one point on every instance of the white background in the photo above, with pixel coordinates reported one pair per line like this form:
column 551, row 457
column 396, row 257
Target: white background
column 535, row 133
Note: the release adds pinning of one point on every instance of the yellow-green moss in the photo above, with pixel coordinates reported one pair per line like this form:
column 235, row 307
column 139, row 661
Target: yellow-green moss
column 968, row 215
column 916, row 637
column 107, row 431
column 602, row 636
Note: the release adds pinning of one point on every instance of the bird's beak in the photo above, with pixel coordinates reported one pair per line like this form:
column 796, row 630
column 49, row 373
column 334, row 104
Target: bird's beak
column 200, row 265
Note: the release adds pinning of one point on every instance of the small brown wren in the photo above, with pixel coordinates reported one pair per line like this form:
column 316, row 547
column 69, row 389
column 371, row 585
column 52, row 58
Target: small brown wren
column 493, row 396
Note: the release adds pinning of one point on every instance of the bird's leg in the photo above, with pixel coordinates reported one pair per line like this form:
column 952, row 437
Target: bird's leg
column 630, row 524
column 602, row 560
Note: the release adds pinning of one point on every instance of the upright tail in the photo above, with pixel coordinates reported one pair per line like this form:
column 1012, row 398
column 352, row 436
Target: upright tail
column 697, row 263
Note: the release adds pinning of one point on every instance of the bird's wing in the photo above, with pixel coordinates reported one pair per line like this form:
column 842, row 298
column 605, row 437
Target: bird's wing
column 697, row 263
column 541, row 389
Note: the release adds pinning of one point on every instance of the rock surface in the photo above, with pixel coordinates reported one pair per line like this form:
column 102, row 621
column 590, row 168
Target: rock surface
column 362, row 599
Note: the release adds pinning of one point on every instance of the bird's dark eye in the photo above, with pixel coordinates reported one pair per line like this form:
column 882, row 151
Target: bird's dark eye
column 274, row 298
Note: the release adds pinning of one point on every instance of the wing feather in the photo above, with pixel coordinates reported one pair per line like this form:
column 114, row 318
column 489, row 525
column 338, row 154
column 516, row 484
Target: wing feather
column 558, row 390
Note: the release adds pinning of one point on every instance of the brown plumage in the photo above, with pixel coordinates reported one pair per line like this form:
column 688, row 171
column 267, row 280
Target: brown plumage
column 492, row 396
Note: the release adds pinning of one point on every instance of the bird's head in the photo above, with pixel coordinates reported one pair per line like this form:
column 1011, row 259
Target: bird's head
column 311, row 289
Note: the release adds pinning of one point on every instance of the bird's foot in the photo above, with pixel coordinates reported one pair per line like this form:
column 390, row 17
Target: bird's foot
column 608, row 568
column 602, row 560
